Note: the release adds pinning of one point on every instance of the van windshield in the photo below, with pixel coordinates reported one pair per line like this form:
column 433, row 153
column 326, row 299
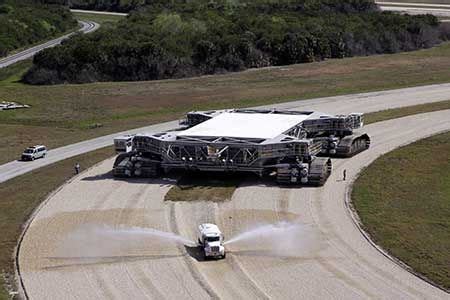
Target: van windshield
column 28, row 151
column 212, row 238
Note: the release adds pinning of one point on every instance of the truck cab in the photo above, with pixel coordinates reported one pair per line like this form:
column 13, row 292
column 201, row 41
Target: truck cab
column 210, row 238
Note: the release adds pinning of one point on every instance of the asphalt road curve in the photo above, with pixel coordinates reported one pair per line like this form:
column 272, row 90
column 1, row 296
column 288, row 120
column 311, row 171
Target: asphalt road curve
column 96, row 12
column 86, row 27
column 365, row 102
column 439, row 10
column 61, row 255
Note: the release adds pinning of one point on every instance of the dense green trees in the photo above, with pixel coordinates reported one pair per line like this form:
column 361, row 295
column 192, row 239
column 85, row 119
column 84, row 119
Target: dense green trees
column 171, row 39
column 25, row 22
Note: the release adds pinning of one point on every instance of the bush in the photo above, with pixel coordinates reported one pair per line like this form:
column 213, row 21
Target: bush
column 171, row 39
column 25, row 22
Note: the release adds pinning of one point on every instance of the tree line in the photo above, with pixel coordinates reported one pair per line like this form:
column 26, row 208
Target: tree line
column 173, row 39
column 24, row 22
column 107, row 5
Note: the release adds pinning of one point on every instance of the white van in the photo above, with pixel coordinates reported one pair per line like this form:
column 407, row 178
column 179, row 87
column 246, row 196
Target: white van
column 31, row 153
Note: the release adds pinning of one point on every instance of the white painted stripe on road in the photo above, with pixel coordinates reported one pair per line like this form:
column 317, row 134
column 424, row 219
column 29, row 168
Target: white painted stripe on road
column 424, row 10
column 440, row 10
column 98, row 12
column 404, row 4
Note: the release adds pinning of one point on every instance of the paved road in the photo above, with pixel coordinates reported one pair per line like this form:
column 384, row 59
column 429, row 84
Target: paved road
column 439, row 10
column 67, row 253
column 98, row 12
column 86, row 27
column 364, row 102
column 54, row 264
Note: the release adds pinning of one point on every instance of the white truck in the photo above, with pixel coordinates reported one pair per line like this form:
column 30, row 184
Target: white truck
column 211, row 240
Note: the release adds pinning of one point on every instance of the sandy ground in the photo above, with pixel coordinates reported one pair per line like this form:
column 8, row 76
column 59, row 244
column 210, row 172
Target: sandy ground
column 63, row 255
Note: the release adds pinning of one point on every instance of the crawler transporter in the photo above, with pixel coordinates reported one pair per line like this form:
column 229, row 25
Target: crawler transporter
column 293, row 147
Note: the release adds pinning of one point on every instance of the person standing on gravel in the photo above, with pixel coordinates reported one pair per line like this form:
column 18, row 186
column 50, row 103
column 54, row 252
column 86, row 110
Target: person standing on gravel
column 344, row 173
column 77, row 168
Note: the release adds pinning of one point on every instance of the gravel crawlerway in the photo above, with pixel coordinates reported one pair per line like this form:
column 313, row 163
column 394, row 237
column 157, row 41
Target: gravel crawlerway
column 343, row 264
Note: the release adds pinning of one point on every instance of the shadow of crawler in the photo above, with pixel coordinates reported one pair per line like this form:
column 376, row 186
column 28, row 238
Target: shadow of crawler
column 110, row 176
column 107, row 175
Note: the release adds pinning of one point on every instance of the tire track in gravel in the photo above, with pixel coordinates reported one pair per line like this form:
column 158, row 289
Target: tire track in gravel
column 240, row 285
column 338, row 243
column 373, row 274
column 237, row 267
column 142, row 281
column 173, row 226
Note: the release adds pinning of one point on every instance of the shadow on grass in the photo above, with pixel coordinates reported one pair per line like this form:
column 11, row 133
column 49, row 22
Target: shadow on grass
column 218, row 186
column 205, row 186
column 191, row 180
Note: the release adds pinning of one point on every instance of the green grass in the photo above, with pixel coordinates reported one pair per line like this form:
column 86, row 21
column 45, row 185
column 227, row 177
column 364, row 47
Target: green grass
column 17, row 205
column 49, row 38
column 103, row 20
column 197, row 187
column 201, row 187
column 405, row 111
column 14, row 72
column 20, row 196
column 403, row 200
column 63, row 114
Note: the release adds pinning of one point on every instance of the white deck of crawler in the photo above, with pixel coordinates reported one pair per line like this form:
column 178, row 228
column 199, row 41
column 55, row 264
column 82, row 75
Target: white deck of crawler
column 345, row 267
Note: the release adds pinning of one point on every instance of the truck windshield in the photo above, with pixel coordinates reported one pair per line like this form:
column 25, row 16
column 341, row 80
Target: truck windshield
column 212, row 238
column 28, row 151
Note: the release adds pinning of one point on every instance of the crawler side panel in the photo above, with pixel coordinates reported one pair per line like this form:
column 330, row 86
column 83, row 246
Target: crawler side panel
column 352, row 145
column 319, row 171
column 133, row 165
column 316, row 174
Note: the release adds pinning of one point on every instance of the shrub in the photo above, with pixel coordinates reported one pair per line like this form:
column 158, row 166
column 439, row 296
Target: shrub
column 171, row 39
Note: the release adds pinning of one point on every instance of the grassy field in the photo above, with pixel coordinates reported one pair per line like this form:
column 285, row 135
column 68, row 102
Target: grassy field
column 405, row 111
column 14, row 72
column 201, row 187
column 19, row 197
column 198, row 187
column 65, row 114
column 73, row 29
column 17, row 204
column 403, row 200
